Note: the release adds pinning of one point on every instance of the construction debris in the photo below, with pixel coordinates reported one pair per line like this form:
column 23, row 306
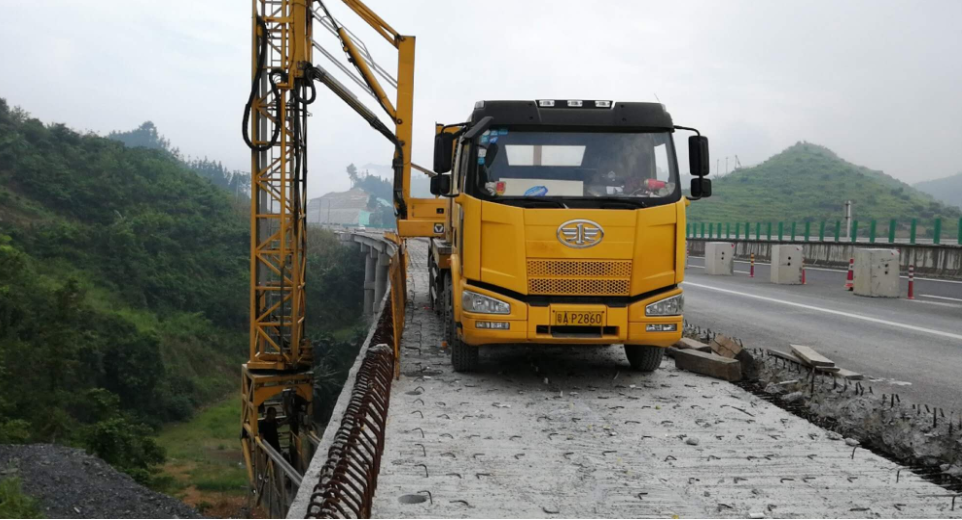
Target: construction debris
column 785, row 356
column 688, row 343
column 842, row 373
column 708, row 364
column 810, row 357
column 729, row 348
column 725, row 346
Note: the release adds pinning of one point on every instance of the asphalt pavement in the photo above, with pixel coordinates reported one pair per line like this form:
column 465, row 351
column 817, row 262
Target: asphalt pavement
column 911, row 347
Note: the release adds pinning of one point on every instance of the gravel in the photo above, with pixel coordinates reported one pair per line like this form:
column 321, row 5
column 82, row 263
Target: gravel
column 72, row 484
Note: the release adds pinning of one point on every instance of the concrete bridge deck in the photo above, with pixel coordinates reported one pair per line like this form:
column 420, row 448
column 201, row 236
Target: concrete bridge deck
column 572, row 432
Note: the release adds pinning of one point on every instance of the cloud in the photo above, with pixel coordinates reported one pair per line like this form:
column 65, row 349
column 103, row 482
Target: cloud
column 876, row 81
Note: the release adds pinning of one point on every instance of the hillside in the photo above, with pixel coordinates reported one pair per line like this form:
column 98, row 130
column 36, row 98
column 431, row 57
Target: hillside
column 124, row 291
column 809, row 182
column 947, row 189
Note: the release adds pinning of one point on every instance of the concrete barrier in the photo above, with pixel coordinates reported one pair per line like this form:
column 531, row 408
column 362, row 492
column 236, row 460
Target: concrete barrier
column 935, row 261
column 787, row 264
column 719, row 258
column 876, row 273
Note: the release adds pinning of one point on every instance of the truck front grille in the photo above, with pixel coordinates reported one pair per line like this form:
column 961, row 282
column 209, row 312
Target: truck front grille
column 580, row 277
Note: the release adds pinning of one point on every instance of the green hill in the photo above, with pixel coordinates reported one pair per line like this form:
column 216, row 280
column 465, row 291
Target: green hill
column 808, row 182
column 124, row 290
column 947, row 189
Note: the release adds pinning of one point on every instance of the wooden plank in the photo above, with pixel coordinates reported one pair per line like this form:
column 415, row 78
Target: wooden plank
column 830, row 370
column 708, row 364
column 844, row 373
column 811, row 357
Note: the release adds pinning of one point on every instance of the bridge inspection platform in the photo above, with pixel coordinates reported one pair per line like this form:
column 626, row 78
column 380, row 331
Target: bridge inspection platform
column 573, row 432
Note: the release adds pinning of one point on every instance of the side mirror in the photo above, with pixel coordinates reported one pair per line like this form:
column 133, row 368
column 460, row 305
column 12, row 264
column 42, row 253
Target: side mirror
column 443, row 153
column 698, row 156
column 441, row 185
column 700, row 188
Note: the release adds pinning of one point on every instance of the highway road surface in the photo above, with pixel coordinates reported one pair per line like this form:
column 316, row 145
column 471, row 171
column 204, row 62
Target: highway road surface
column 913, row 347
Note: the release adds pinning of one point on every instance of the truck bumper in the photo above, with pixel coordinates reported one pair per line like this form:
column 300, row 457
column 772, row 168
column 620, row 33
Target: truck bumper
column 533, row 324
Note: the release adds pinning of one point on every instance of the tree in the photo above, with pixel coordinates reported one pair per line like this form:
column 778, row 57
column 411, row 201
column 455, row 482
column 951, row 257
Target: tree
column 144, row 136
column 352, row 174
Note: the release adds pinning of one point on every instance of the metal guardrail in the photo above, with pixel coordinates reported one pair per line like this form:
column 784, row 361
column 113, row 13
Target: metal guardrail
column 278, row 480
column 827, row 231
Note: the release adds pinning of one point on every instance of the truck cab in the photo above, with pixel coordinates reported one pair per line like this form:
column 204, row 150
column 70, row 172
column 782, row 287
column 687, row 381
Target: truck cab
column 565, row 225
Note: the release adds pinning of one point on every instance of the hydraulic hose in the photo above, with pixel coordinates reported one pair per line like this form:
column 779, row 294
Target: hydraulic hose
column 261, row 57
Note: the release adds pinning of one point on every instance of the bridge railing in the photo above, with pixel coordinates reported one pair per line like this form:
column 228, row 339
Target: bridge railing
column 278, row 481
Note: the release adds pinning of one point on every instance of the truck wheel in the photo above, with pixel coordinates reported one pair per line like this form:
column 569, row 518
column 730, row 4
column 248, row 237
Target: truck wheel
column 446, row 311
column 436, row 280
column 644, row 358
column 464, row 358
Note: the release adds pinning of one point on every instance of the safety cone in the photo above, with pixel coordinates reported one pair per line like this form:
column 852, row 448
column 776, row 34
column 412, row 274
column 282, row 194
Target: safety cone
column 850, row 278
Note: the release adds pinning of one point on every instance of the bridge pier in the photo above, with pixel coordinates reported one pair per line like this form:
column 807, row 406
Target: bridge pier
column 380, row 277
column 369, row 279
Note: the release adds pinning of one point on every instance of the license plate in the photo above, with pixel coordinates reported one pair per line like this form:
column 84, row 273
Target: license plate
column 578, row 318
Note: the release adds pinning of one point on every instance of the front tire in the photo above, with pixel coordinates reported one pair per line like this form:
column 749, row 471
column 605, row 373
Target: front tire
column 464, row 357
column 644, row 358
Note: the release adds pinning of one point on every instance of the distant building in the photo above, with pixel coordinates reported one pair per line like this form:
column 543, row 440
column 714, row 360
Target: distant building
column 346, row 208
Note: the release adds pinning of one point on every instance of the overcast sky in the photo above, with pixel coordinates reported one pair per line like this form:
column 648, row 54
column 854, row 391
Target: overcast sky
column 878, row 82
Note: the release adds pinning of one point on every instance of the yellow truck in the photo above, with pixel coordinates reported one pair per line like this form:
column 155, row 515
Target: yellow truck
column 565, row 225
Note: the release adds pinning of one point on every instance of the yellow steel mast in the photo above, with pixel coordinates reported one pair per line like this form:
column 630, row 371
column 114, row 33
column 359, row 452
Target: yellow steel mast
column 278, row 370
column 275, row 126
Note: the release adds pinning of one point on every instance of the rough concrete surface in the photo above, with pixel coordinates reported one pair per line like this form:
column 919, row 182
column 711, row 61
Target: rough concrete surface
column 901, row 428
column 572, row 432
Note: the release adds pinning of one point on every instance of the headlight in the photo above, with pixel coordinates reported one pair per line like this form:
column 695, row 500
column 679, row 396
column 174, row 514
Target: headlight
column 474, row 302
column 668, row 307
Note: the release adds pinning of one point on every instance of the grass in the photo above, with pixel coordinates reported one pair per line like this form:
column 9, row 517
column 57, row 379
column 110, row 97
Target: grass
column 205, row 465
column 14, row 503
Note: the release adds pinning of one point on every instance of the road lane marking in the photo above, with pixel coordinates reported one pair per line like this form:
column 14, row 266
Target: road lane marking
column 830, row 311
column 940, row 304
column 941, row 297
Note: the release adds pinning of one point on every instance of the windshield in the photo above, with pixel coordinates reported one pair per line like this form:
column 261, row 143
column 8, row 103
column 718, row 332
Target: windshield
column 584, row 165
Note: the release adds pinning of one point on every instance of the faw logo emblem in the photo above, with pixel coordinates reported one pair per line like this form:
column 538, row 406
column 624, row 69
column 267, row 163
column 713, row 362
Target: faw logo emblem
column 580, row 233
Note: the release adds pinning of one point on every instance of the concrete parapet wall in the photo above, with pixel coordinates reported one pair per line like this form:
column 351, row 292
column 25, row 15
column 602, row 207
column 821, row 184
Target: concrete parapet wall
column 940, row 261
column 369, row 244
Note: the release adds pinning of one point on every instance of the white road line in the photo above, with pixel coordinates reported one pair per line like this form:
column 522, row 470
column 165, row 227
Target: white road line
column 830, row 311
column 941, row 297
column 940, row 304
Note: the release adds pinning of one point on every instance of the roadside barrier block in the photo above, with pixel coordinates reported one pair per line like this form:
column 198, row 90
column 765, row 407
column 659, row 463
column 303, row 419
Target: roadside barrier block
column 787, row 260
column 719, row 258
column 877, row 273
column 708, row 364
